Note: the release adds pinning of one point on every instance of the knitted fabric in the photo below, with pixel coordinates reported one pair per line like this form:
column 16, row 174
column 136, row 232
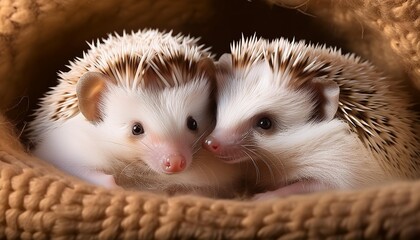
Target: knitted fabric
column 37, row 201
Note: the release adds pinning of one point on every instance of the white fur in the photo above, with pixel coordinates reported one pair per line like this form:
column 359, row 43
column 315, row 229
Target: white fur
column 81, row 148
column 70, row 147
column 91, row 151
column 163, row 116
column 327, row 152
column 298, row 149
column 242, row 96
column 133, row 53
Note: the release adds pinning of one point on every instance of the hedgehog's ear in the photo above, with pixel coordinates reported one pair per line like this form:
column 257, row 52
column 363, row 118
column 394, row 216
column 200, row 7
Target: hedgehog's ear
column 224, row 66
column 225, row 60
column 206, row 65
column 329, row 99
column 89, row 90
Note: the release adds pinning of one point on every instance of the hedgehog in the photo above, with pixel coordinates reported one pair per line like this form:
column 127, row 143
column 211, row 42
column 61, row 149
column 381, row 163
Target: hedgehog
column 132, row 113
column 310, row 118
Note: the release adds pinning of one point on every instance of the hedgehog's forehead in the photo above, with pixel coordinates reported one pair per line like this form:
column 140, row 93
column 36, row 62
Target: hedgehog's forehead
column 127, row 58
column 294, row 64
column 173, row 68
column 243, row 98
column 244, row 95
column 165, row 110
column 151, row 69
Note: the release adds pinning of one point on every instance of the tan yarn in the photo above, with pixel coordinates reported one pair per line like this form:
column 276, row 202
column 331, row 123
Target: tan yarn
column 38, row 201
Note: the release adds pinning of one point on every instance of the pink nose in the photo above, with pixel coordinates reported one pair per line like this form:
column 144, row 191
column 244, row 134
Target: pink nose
column 174, row 164
column 212, row 144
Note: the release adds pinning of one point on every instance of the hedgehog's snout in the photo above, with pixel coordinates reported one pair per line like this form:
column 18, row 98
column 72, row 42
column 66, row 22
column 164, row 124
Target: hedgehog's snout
column 212, row 145
column 174, row 164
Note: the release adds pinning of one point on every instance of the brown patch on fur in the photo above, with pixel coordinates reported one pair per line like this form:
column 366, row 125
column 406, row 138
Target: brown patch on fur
column 64, row 108
column 172, row 71
column 318, row 113
column 303, row 80
column 243, row 62
column 130, row 62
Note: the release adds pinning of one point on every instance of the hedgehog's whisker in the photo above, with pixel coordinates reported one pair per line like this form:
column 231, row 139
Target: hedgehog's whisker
column 126, row 167
column 207, row 171
column 257, row 170
column 269, row 164
column 128, row 146
column 195, row 151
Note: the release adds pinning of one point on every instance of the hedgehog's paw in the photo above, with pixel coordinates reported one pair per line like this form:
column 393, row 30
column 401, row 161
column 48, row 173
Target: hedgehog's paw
column 278, row 193
column 102, row 179
column 298, row 187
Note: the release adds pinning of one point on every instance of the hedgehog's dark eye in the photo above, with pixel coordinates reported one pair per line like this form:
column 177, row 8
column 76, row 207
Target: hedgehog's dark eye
column 137, row 129
column 264, row 123
column 191, row 123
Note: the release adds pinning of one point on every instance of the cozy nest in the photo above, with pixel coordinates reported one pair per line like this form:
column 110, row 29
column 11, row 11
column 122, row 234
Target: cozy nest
column 39, row 37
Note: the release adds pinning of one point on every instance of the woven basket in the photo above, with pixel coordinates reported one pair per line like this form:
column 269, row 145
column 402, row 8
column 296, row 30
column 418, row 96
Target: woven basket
column 37, row 201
